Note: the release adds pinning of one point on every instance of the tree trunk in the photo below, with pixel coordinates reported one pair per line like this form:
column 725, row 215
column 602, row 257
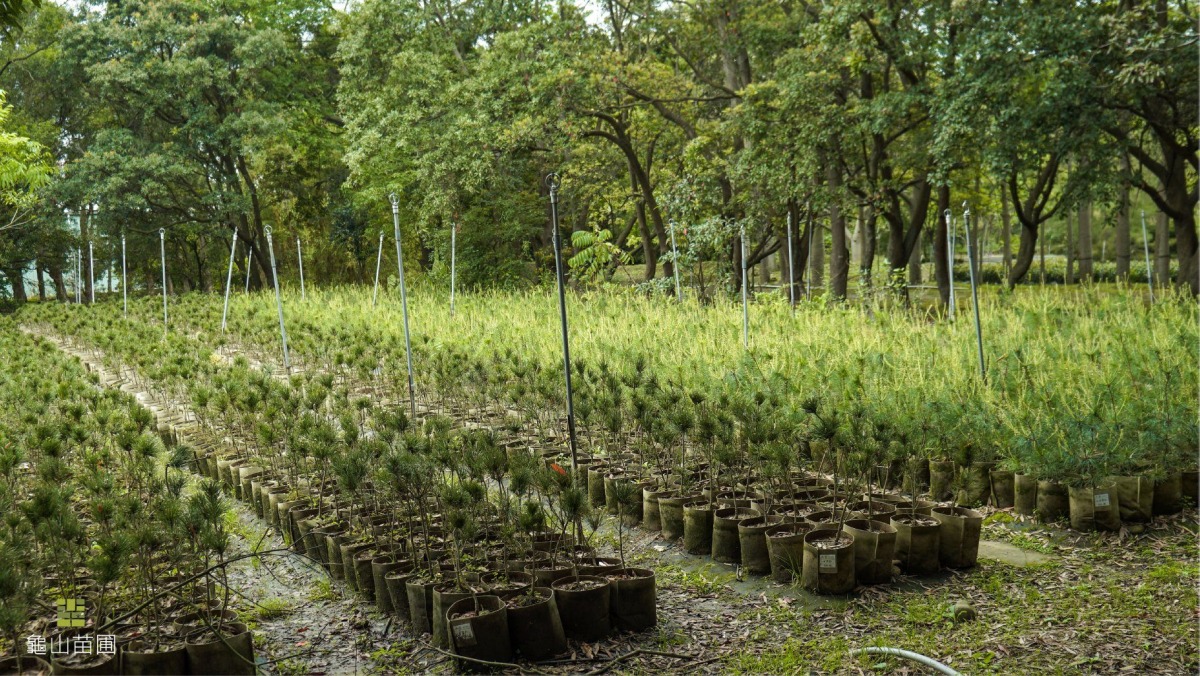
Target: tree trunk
column 41, row 281
column 869, row 234
column 1085, row 241
column 1070, row 250
column 914, row 263
column 1123, row 240
column 1162, row 249
column 941, row 248
column 816, row 263
column 1005, row 236
column 85, row 263
column 60, row 288
column 839, row 257
column 16, row 279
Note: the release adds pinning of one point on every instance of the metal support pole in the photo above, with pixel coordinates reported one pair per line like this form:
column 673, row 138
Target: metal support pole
column 287, row 364
column 950, row 257
column 791, row 264
column 412, row 397
column 124, row 278
column 1146, row 248
column 812, row 228
column 91, row 275
column 745, row 296
column 300, row 259
column 552, row 182
column 974, row 290
column 162, row 247
column 228, row 281
column 675, row 265
column 453, row 234
column 378, row 260
column 249, row 260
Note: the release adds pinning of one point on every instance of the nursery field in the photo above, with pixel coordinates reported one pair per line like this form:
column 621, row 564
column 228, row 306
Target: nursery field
column 848, row 480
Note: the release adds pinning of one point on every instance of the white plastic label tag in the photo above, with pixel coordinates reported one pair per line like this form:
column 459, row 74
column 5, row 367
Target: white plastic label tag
column 464, row 635
column 828, row 563
column 1102, row 500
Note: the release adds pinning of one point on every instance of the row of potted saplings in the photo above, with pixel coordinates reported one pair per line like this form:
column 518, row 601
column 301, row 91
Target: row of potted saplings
column 1105, row 504
column 186, row 632
column 829, row 541
column 527, row 604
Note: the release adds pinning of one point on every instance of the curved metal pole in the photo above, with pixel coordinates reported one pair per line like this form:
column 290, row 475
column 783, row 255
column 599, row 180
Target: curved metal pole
column 791, row 264
column 745, row 301
column 552, row 182
column 950, row 257
column 91, row 275
column 287, row 364
column 228, row 281
column 974, row 290
column 300, row 259
column 124, row 278
column 162, row 246
column 1146, row 248
column 412, row 397
column 675, row 265
column 453, row 233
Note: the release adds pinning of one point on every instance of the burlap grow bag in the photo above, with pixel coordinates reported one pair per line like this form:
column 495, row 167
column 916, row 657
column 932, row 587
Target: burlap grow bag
column 1095, row 508
column 1136, row 495
column 958, row 536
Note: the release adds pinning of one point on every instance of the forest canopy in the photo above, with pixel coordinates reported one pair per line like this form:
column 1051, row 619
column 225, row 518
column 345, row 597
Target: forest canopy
column 861, row 123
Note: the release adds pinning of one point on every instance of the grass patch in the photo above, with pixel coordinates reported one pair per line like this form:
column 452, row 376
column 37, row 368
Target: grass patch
column 323, row 590
column 273, row 608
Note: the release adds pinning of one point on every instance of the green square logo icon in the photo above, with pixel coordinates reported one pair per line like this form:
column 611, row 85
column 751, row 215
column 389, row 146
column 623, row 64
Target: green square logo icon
column 71, row 612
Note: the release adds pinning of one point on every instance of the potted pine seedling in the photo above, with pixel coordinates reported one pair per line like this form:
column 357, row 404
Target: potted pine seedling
column 632, row 590
column 874, row 539
column 583, row 600
column 225, row 647
column 828, row 562
column 464, row 528
column 1093, row 493
column 18, row 586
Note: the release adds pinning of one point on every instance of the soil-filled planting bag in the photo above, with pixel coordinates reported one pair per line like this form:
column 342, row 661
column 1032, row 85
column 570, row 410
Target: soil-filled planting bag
column 1095, row 508
column 1003, row 488
column 785, row 543
column 1053, row 502
column 613, row 477
column 958, row 545
column 633, row 599
column 380, row 566
column 348, row 550
column 752, row 540
column 420, row 604
column 698, row 527
column 142, row 659
column 726, row 547
column 534, row 627
column 79, row 664
column 941, row 478
column 232, row 653
column 444, row 596
column 397, row 586
column 918, row 543
column 670, row 513
column 1024, row 494
column 828, row 566
column 584, row 607
column 478, row 628
column 1136, row 495
column 976, row 484
column 364, row 573
column 651, row 519
column 29, row 664
column 595, row 484
column 1168, row 494
column 874, row 545
column 1191, row 487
